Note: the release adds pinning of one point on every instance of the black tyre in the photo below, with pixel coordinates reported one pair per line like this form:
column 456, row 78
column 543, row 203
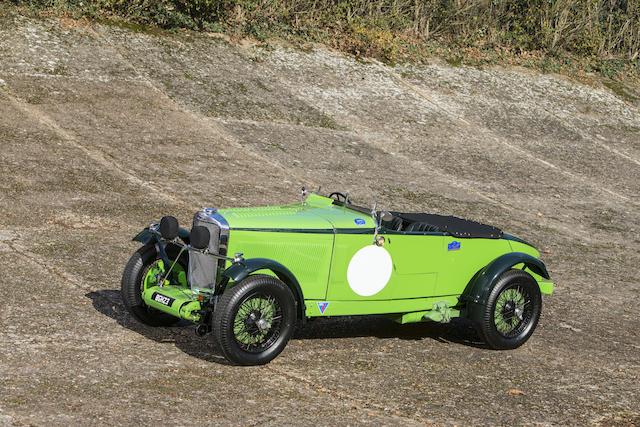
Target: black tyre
column 132, row 285
column 254, row 320
column 512, row 310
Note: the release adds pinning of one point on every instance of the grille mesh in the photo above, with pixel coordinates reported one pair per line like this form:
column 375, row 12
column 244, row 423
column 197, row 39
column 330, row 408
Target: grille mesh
column 203, row 269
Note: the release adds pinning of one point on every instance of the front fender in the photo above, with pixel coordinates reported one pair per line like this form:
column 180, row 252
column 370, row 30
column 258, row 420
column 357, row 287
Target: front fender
column 239, row 271
column 478, row 289
column 145, row 236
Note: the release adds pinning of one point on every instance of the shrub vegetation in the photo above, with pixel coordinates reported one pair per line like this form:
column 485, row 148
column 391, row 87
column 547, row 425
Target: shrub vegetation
column 599, row 35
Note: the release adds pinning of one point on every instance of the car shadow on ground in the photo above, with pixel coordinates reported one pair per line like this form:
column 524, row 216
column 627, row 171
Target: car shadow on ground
column 459, row 331
column 182, row 335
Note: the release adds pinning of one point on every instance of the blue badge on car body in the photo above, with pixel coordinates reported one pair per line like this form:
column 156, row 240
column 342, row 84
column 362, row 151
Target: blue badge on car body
column 322, row 306
column 453, row 246
column 359, row 221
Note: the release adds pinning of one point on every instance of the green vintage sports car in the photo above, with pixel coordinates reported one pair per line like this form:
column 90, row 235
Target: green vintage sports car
column 325, row 256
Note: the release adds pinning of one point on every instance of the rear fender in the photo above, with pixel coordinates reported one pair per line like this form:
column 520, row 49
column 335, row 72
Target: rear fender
column 239, row 271
column 478, row 289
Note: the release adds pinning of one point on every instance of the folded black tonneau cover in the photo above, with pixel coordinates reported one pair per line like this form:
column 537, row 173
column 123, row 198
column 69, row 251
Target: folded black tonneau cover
column 452, row 225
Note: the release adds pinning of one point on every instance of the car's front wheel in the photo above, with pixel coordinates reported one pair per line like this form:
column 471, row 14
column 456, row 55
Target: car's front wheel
column 254, row 320
column 142, row 271
column 512, row 310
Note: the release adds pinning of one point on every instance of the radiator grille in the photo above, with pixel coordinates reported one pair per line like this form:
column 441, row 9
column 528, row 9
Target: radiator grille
column 203, row 269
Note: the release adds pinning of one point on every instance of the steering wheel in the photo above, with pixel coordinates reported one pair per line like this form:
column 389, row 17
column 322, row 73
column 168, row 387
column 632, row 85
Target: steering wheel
column 339, row 196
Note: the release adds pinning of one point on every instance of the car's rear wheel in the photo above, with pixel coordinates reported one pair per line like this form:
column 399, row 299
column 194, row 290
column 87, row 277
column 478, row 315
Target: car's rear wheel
column 254, row 320
column 512, row 310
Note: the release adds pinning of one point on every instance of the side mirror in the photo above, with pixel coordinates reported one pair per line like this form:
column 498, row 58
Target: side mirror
column 169, row 227
column 386, row 216
column 200, row 237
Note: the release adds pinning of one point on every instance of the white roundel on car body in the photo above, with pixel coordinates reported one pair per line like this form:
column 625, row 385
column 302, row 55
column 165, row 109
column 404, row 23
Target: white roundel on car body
column 369, row 270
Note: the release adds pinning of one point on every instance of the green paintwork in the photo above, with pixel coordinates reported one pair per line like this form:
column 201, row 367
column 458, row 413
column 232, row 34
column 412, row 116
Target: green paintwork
column 157, row 270
column 184, row 304
column 306, row 255
column 154, row 274
column 364, row 306
column 546, row 286
column 315, row 241
column 440, row 313
column 316, row 213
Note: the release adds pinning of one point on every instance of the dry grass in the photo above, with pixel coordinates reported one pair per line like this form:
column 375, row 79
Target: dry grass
column 599, row 36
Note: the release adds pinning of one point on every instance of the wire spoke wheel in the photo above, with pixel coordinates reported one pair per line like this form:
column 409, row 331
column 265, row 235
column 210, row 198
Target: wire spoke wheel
column 513, row 310
column 156, row 271
column 254, row 320
column 257, row 323
column 152, row 275
column 144, row 270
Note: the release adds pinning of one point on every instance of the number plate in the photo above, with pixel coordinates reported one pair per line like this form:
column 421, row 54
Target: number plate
column 162, row 299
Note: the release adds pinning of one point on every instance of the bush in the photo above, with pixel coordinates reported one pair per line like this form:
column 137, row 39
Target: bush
column 596, row 28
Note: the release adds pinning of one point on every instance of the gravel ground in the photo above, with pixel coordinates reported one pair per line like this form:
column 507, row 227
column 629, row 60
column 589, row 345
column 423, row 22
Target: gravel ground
column 103, row 130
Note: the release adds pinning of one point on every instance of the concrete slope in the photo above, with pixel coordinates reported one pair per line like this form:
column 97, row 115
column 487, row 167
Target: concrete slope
column 103, row 130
